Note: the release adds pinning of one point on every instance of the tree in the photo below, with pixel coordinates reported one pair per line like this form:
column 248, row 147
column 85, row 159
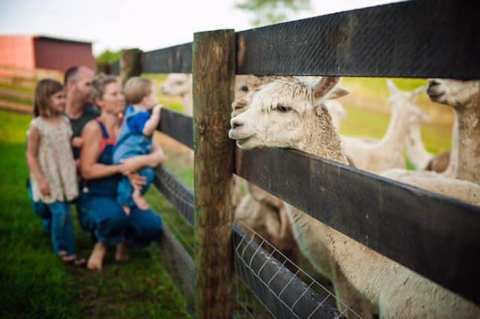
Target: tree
column 271, row 11
column 108, row 56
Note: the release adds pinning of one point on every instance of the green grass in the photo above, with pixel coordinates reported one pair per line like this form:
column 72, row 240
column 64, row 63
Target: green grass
column 378, row 86
column 35, row 284
column 358, row 122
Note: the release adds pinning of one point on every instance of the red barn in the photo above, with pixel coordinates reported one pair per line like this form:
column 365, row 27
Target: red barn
column 40, row 52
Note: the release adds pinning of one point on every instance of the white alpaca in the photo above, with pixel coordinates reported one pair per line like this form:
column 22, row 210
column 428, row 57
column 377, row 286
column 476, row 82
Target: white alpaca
column 247, row 85
column 178, row 84
column 288, row 113
column 464, row 97
column 334, row 107
column 337, row 112
column 416, row 151
column 181, row 85
column 258, row 209
column 267, row 216
column 424, row 160
column 378, row 156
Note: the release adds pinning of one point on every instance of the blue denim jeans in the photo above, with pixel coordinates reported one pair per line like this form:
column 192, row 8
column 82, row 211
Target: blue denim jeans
column 144, row 227
column 104, row 217
column 40, row 209
column 125, row 188
column 61, row 232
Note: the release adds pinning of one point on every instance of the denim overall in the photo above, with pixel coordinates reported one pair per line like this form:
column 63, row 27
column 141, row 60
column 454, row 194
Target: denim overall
column 102, row 215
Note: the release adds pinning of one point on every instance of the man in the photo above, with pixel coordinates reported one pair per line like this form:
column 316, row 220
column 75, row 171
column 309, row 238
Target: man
column 79, row 110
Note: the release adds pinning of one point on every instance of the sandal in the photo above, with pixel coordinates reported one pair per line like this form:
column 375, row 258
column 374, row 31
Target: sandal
column 80, row 262
column 68, row 259
column 72, row 259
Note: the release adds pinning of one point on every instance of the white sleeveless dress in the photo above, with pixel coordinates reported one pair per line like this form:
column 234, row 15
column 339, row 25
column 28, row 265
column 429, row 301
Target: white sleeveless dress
column 56, row 161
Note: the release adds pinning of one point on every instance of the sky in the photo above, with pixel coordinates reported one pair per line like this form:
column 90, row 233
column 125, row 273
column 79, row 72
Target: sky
column 144, row 24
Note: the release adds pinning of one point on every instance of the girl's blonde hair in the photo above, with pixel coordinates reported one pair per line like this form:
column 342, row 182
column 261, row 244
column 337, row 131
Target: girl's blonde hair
column 44, row 90
column 99, row 85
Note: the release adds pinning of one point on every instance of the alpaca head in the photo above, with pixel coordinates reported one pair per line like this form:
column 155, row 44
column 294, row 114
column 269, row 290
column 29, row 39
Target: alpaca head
column 456, row 93
column 276, row 114
column 245, row 87
column 403, row 103
column 177, row 84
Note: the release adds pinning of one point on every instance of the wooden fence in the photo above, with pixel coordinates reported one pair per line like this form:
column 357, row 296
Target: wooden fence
column 436, row 236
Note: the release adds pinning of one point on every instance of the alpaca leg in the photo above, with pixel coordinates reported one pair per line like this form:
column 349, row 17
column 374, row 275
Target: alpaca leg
column 349, row 297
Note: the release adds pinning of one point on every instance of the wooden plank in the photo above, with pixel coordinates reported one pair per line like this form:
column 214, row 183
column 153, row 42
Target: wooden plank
column 175, row 59
column 281, row 291
column 16, row 107
column 176, row 193
column 16, row 94
column 431, row 234
column 180, row 265
column 177, row 126
column 213, row 92
column 427, row 38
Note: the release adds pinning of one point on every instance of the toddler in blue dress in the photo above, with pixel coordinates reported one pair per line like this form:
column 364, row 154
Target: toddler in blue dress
column 135, row 138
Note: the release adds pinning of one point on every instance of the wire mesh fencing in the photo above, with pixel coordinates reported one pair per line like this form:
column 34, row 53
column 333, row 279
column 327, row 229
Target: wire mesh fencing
column 178, row 194
column 281, row 286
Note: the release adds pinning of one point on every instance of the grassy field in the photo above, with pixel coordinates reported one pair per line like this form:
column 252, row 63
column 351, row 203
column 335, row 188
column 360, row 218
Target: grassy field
column 35, row 284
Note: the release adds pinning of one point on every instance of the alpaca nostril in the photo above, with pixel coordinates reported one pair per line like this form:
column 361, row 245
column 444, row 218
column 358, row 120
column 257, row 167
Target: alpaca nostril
column 236, row 124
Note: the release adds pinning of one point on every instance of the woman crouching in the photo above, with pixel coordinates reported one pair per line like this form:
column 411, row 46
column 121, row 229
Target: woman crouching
column 100, row 212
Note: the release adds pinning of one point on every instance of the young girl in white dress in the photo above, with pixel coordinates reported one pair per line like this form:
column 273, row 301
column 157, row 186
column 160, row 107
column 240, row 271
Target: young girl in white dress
column 52, row 167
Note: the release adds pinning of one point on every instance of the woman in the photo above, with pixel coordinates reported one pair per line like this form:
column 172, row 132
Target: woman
column 101, row 214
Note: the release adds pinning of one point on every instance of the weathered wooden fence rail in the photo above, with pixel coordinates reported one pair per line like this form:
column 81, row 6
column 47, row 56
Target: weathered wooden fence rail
column 435, row 236
column 410, row 39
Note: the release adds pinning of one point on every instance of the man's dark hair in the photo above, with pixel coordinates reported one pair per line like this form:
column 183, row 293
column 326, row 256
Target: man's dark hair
column 70, row 74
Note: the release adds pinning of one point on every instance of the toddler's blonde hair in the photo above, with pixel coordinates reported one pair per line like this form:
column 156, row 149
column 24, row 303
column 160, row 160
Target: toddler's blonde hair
column 136, row 89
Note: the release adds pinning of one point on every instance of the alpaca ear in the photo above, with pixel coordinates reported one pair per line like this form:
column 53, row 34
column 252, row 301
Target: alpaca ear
column 392, row 87
column 337, row 93
column 324, row 85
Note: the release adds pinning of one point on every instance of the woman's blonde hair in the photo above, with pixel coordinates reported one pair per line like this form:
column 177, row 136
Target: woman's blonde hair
column 136, row 89
column 43, row 92
column 99, row 85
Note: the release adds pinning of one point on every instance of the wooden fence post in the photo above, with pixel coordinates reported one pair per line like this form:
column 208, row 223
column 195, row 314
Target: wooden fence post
column 130, row 64
column 103, row 68
column 213, row 68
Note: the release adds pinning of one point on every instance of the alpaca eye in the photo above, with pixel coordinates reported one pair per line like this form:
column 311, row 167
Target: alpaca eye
column 244, row 88
column 283, row 108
